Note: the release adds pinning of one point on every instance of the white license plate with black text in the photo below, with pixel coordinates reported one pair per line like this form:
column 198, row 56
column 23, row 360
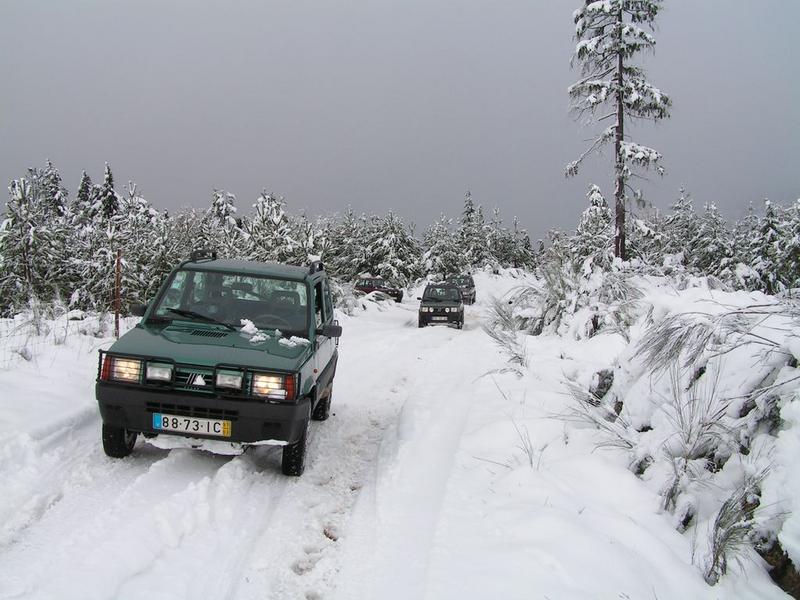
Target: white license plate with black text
column 439, row 319
column 218, row 427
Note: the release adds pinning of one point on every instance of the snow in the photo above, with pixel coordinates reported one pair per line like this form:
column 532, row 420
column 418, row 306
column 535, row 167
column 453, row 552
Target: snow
column 293, row 341
column 440, row 475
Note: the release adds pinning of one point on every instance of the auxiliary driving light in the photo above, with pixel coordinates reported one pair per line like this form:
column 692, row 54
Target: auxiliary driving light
column 229, row 379
column 159, row 372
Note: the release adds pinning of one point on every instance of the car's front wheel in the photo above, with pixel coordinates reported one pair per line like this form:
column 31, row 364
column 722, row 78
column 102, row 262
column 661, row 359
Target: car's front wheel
column 293, row 461
column 323, row 409
column 118, row 442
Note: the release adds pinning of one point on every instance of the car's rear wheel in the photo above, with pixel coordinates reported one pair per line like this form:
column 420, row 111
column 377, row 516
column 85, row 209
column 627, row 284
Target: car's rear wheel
column 293, row 461
column 323, row 408
column 118, row 442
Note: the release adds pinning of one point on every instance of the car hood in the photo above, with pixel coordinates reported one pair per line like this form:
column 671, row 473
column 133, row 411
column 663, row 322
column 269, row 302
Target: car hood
column 209, row 346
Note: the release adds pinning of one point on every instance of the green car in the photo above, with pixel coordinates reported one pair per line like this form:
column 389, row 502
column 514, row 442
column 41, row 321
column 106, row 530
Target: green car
column 441, row 304
column 229, row 350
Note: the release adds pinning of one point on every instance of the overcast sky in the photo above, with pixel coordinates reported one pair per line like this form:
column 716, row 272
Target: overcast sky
column 379, row 105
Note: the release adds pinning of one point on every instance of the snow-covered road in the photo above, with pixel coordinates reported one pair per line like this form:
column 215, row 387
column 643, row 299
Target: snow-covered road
column 438, row 476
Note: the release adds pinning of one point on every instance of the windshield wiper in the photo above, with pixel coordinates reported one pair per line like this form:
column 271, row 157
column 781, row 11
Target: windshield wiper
column 196, row 315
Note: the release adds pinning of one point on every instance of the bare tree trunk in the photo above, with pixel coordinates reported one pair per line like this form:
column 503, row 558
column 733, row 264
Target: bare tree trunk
column 619, row 192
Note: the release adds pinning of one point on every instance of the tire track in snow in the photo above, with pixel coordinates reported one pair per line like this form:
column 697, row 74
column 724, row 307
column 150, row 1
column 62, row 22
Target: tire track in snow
column 299, row 553
column 103, row 528
column 36, row 468
column 397, row 518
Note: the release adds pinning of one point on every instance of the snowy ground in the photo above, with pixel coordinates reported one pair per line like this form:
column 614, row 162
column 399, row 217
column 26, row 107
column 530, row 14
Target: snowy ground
column 438, row 476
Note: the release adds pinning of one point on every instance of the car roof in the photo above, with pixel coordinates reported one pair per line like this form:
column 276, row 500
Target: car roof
column 249, row 267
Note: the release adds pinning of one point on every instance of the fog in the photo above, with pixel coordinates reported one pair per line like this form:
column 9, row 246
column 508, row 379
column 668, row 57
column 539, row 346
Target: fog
column 387, row 105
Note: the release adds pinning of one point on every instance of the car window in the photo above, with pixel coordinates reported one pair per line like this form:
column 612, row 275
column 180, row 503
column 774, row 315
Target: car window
column 328, row 302
column 441, row 293
column 319, row 315
column 270, row 303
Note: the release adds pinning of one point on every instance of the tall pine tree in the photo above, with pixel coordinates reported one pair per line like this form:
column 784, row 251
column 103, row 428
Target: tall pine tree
column 610, row 34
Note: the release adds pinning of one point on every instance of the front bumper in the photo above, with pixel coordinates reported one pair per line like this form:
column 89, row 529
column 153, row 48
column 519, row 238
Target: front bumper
column 452, row 318
column 251, row 420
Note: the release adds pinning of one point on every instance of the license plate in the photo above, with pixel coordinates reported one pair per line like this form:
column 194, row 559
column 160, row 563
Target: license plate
column 439, row 319
column 216, row 427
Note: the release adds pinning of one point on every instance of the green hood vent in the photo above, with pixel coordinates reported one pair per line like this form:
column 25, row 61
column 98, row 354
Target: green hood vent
column 209, row 333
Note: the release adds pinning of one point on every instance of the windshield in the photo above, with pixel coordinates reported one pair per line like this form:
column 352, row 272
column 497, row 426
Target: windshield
column 228, row 298
column 450, row 294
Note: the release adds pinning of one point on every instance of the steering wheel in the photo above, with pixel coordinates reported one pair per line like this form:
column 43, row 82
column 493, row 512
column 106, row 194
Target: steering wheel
column 272, row 317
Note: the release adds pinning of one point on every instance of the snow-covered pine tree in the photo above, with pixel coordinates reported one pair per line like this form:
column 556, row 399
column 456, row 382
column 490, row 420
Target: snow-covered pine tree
column 442, row 256
column 592, row 244
column 766, row 250
column 31, row 249
column 523, row 254
column 472, row 233
column 346, row 257
column 393, row 252
column 711, row 249
column 309, row 241
column 107, row 201
column 48, row 189
column 680, row 226
column 270, row 231
column 219, row 228
column 139, row 244
column 609, row 35
column 791, row 246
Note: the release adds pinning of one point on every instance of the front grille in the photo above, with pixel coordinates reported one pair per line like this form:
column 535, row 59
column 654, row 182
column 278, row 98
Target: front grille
column 185, row 410
column 194, row 379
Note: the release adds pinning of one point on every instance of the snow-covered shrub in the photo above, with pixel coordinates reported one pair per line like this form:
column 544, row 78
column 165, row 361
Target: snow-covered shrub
column 700, row 402
column 503, row 327
column 344, row 295
column 731, row 535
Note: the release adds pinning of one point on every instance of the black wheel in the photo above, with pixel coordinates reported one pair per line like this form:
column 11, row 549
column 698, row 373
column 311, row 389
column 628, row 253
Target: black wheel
column 460, row 324
column 293, row 461
column 421, row 324
column 323, row 409
column 118, row 442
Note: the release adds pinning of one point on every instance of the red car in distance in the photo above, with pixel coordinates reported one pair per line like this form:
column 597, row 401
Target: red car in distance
column 378, row 284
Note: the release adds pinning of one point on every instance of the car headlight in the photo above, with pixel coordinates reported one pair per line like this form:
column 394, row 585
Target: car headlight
column 125, row 370
column 229, row 379
column 159, row 372
column 275, row 387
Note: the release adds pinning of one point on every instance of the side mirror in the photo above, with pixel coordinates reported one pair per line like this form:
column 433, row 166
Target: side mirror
column 419, row 298
column 138, row 310
column 330, row 330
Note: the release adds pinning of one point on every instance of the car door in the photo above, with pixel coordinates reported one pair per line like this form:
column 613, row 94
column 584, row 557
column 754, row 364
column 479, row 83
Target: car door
column 325, row 346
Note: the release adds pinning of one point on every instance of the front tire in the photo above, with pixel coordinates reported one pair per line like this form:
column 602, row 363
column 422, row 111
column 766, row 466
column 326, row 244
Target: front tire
column 293, row 461
column 118, row 442
column 323, row 408
column 421, row 324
